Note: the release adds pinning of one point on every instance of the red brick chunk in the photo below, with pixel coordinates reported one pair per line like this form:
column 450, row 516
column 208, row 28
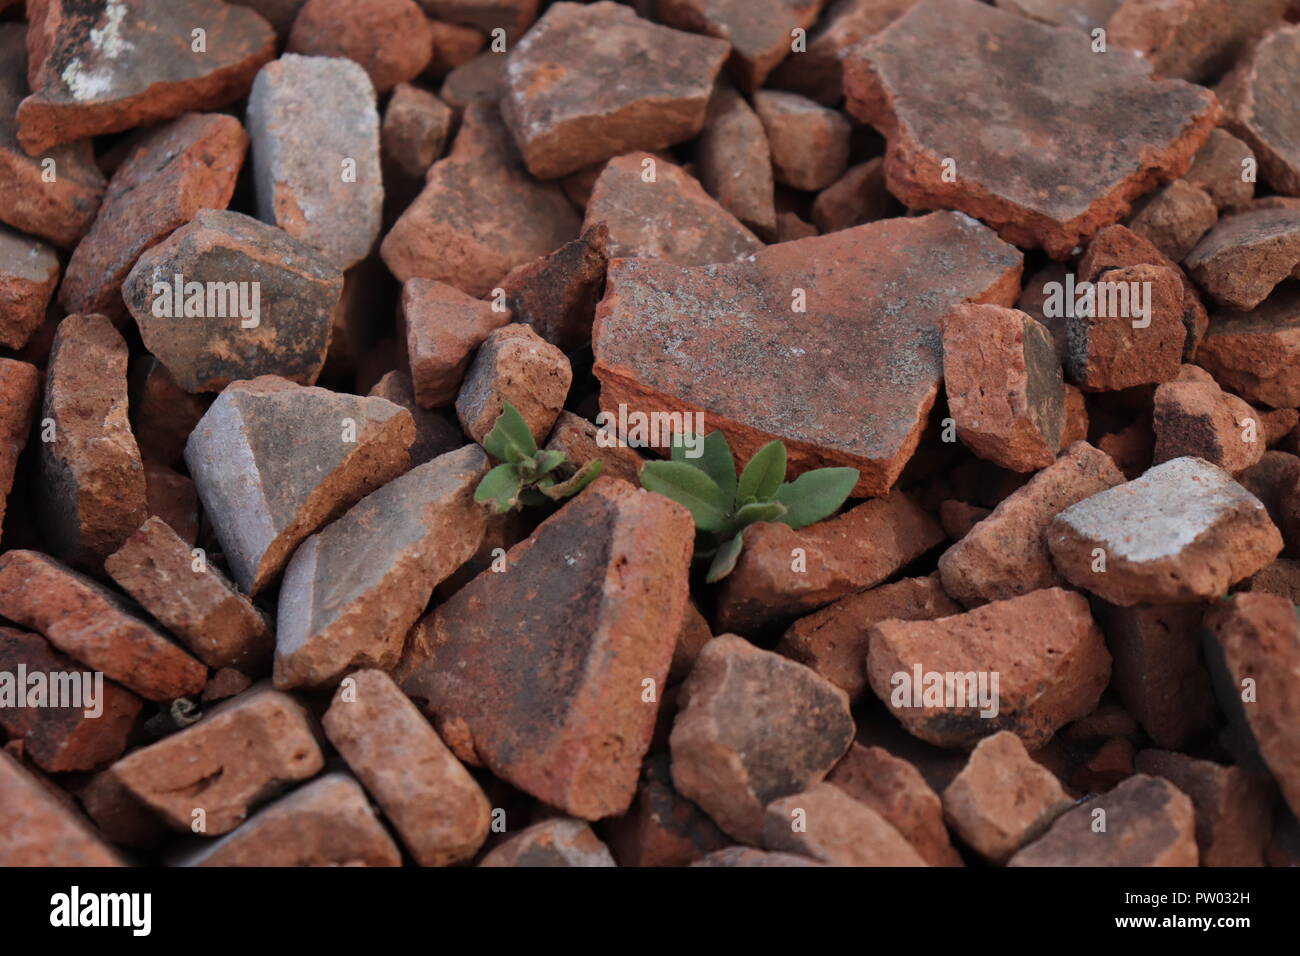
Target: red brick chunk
column 29, row 272
column 392, row 40
column 1242, row 259
column 514, row 365
column 1259, row 97
column 809, row 142
column 825, row 823
column 760, row 31
column 20, row 385
column 1257, row 353
column 558, row 842
column 39, row 830
column 444, row 327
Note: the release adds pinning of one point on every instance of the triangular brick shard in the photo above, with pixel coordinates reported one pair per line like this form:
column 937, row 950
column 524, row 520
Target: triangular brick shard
column 40, row 830
column 850, row 381
column 274, row 461
column 101, row 66
column 542, row 667
column 352, row 592
column 1024, row 126
column 29, row 273
column 1259, row 96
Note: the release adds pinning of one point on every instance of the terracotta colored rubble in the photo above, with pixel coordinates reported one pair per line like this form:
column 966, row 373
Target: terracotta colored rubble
column 274, row 461
column 833, row 641
column 171, row 496
column 668, row 217
column 809, row 142
column 91, row 732
column 453, row 45
column 415, row 129
column 1259, row 97
column 588, row 636
column 1005, row 555
column 480, row 213
column 92, row 489
column 1282, row 577
column 241, row 753
column 1242, row 259
column 250, row 300
column 1080, row 14
column 1220, row 169
column 58, row 208
column 327, row 822
column 162, row 413
column 1191, row 39
column 351, row 592
column 444, row 327
column 557, row 293
column 818, row 71
column 662, row 828
column 856, row 550
column 1193, row 416
column 29, row 273
column 1002, row 799
column 748, row 856
column 514, row 365
column 1048, row 185
column 581, row 442
column 479, row 81
column 438, row 810
column 759, row 31
column 857, row 197
column 436, row 432
column 895, row 790
column 754, row 727
column 558, row 842
column 1045, row 678
column 392, row 40
column 315, row 133
column 593, row 81
column 92, row 625
column 888, row 283
column 279, row 13
column 107, row 67
column 1257, row 353
column 19, row 390
column 1183, row 532
column 1175, row 217
column 825, row 823
column 191, row 598
column 734, row 163
column 513, row 16
column 1149, row 822
column 40, row 830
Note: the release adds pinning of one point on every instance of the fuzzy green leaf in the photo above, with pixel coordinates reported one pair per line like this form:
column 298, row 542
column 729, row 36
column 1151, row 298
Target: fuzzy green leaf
column 724, row 561
column 715, row 460
column 815, row 495
column 510, row 439
column 499, row 488
column 763, row 475
column 548, row 461
column 571, row 486
column 760, row 511
column 689, row 486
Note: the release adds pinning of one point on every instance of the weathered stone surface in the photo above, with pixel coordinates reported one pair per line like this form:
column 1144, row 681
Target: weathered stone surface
column 1149, row 822
column 1004, row 386
column 480, row 214
column 757, row 375
column 191, row 598
column 438, row 810
column 1242, row 259
column 162, row 413
column 748, row 856
column 29, row 271
column 835, row 829
column 589, row 607
column 352, row 592
column 1005, row 555
column 41, row 831
column 1192, row 40
column 1193, row 416
column 1221, row 168
column 670, row 217
column 415, row 130
column 557, row 293
column 753, row 727
column 1175, row 217
column 479, row 81
column 240, row 754
column 1112, row 345
column 582, row 441
column 118, row 815
column 1257, row 637
column 90, row 732
column 315, row 133
column 593, row 81
column 169, row 174
column 1257, row 353
column 20, row 385
column 262, row 502
column 513, row 16
column 328, row 822
column 436, row 432
column 662, row 828
column 1183, row 532
column 1002, row 799
column 92, row 625
column 1157, row 671
column 1046, row 677
column 789, row 227
column 1045, row 185
column 60, row 211
column 809, row 142
column 92, row 489
column 833, row 641
column 263, row 306
column 734, row 163
column 1259, row 102
column 856, row 550
column 895, row 790
column 1234, row 811
column 1080, row 14
column 171, row 496
column 759, row 31
column 444, row 327
column 392, row 40
column 557, row 842
column 105, row 66
column 857, row 197
column 514, row 365
column 1282, row 577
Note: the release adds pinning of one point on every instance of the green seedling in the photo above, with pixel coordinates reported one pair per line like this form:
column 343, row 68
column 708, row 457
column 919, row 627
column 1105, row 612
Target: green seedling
column 526, row 476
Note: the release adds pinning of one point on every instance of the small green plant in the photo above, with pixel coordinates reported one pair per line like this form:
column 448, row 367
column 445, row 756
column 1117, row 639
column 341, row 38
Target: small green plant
column 722, row 506
column 526, row 476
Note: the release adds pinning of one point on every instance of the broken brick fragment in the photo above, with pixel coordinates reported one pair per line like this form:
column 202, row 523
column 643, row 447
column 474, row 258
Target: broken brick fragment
column 1257, row 353
column 557, row 293
column 1222, row 169
column 391, row 40
column 20, row 385
column 734, row 162
column 1259, row 97
column 1193, row 416
column 29, row 272
column 759, row 31
column 808, row 141
column 1192, row 40
column 748, row 856
column 825, row 823
column 436, row 432
column 857, row 197
column 662, row 828
column 162, row 413
column 444, row 327
column 1175, row 217
column 514, row 365
column 414, row 131
column 557, row 842
column 581, row 441
column 1242, row 259
column 40, row 830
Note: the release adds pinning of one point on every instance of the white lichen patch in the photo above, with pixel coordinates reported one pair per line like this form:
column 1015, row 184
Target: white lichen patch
column 107, row 43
